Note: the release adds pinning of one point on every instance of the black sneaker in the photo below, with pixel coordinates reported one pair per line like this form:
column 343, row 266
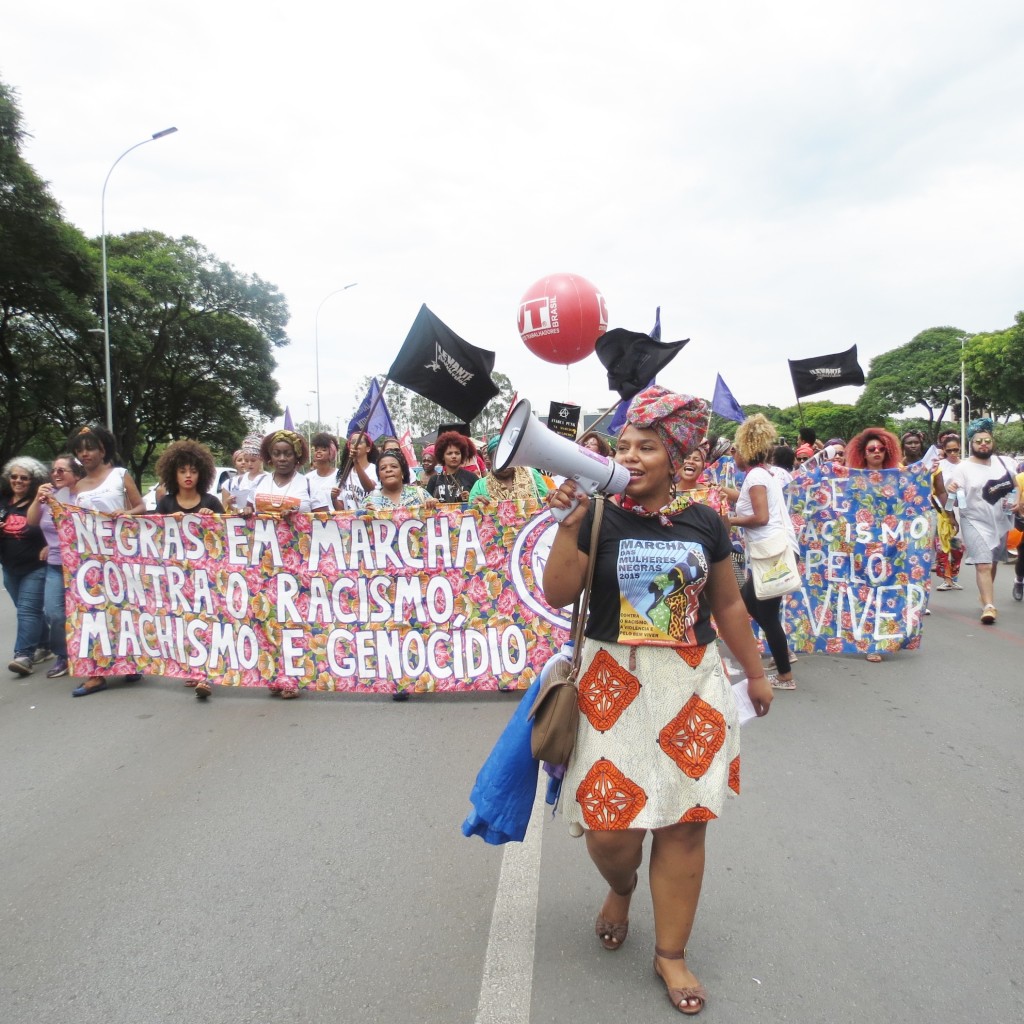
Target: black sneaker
column 1018, row 590
column 21, row 665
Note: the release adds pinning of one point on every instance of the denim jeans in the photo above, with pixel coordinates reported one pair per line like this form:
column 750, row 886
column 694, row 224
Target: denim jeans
column 26, row 592
column 53, row 606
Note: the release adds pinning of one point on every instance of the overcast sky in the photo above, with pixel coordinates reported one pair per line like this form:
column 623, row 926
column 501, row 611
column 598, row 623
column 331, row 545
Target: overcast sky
column 783, row 179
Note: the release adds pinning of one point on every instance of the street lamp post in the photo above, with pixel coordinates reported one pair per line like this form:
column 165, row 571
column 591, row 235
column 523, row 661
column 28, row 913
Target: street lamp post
column 103, row 249
column 316, row 340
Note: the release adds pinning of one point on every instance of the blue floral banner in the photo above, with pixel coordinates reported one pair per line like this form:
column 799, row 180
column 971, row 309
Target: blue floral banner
column 866, row 548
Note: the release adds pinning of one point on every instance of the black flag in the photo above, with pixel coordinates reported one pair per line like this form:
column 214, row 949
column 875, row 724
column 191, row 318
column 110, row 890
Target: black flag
column 437, row 364
column 822, row 373
column 633, row 359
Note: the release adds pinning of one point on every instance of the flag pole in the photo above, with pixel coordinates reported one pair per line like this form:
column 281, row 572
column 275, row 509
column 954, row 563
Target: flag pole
column 605, row 414
column 346, row 461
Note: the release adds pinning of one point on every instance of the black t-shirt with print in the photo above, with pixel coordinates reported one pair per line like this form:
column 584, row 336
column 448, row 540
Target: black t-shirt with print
column 20, row 544
column 441, row 486
column 649, row 579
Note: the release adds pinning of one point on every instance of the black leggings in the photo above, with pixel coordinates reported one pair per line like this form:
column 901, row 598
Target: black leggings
column 767, row 615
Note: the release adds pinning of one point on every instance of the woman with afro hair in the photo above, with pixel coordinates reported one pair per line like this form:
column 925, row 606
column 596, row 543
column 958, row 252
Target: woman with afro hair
column 186, row 471
column 452, row 484
column 874, row 448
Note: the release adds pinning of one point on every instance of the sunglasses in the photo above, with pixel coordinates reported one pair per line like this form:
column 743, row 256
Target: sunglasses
column 24, row 479
column 950, row 451
column 874, row 449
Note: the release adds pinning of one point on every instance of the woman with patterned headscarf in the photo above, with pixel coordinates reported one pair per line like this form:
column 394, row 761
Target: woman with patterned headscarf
column 657, row 746
column 284, row 488
column 240, row 489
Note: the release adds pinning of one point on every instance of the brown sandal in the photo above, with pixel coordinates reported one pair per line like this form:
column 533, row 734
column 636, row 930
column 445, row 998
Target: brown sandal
column 203, row 690
column 289, row 694
column 680, row 997
column 612, row 934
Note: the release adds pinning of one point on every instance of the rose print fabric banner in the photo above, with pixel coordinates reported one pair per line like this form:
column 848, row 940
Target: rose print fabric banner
column 411, row 599
column 865, row 557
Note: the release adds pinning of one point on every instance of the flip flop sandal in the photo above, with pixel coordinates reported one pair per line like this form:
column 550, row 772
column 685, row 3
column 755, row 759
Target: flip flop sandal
column 203, row 690
column 780, row 684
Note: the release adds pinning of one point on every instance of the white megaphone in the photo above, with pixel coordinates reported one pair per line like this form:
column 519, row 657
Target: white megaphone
column 525, row 441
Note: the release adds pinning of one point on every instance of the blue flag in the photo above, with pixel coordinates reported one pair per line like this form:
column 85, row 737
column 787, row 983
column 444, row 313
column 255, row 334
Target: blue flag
column 379, row 423
column 724, row 404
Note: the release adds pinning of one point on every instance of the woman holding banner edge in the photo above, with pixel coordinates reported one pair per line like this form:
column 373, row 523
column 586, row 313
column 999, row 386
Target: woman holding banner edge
column 649, row 697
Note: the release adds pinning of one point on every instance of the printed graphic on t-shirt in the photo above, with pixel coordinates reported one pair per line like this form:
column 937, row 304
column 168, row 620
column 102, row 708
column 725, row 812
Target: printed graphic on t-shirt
column 660, row 583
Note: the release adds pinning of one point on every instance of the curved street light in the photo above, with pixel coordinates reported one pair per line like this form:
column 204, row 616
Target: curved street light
column 316, row 341
column 103, row 249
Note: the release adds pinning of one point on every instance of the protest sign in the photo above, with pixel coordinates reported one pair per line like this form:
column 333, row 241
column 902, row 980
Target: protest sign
column 415, row 599
column 866, row 545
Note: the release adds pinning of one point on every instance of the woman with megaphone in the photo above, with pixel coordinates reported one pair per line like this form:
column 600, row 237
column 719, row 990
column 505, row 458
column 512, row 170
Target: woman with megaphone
column 657, row 747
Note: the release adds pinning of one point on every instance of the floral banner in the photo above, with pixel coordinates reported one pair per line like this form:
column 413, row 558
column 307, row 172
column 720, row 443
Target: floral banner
column 414, row 599
column 866, row 548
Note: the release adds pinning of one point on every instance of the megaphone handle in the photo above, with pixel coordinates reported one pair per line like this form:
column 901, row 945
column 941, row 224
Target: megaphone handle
column 559, row 514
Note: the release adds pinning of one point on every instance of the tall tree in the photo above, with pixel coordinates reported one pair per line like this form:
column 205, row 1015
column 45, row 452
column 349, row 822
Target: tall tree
column 995, row 370
column 922, row 372
column 192, row 343
column 48, row 275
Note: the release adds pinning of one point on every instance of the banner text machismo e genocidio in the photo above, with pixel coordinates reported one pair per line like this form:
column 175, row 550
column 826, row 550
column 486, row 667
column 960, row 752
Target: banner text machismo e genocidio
column 407, row 599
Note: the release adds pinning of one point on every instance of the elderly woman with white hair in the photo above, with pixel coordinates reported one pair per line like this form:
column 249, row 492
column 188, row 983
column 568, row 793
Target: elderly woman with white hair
column 23, row 555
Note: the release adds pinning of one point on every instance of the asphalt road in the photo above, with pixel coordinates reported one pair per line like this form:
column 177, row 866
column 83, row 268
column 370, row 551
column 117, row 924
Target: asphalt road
column 248, row 860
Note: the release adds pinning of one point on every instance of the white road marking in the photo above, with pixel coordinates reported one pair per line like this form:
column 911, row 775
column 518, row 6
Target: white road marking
column 507, row 984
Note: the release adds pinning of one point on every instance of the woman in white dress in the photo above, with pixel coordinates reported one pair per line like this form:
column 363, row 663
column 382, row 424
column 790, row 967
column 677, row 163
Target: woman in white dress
column 104, row 488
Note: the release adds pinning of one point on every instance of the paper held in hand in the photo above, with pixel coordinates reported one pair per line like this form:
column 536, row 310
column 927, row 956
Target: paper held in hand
column 743, row 702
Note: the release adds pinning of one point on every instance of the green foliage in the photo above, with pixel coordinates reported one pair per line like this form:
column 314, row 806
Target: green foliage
column 192, row 344
column 48, row 276
column 925, row 371
column 995, row 370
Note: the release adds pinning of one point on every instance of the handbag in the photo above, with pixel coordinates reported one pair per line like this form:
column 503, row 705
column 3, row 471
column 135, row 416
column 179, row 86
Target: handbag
column 773, row 565
column 556, row 711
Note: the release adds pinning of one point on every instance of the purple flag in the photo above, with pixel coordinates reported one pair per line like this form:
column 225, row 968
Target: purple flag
column 288, row 425
column 373, row 416
column 724, row 404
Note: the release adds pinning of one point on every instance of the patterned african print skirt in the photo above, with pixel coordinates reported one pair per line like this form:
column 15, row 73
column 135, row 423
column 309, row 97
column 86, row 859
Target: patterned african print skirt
column 658, row 739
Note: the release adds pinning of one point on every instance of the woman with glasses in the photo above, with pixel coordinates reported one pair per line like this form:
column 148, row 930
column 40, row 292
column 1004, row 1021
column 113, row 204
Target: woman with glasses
column 877, row 449
column 63, row 477
column 23, row 556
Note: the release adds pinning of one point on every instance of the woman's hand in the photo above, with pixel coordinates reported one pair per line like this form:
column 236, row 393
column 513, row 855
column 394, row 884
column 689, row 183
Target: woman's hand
column 563, row 498
column 45, row 492
column 760, row 692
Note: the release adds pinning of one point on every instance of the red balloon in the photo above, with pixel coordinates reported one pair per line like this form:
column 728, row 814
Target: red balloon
column 561, row 317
